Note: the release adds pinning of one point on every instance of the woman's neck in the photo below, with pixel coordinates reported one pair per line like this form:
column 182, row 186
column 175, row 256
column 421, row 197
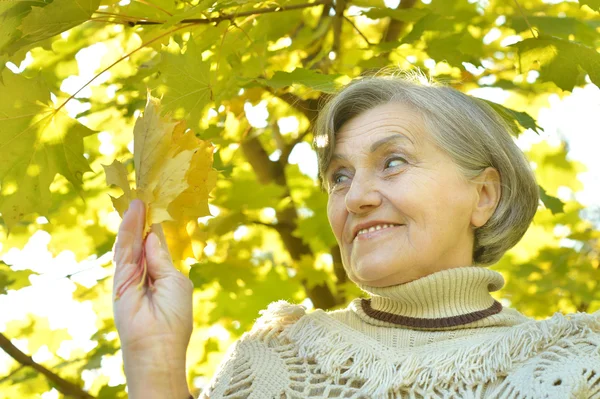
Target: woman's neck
column 448, row 298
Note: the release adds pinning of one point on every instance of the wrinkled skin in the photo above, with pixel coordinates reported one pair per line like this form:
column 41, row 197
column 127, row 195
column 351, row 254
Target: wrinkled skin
column 411, row 183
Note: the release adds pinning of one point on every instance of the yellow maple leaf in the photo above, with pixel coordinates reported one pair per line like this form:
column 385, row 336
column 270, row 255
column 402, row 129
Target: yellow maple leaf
column 173, row 177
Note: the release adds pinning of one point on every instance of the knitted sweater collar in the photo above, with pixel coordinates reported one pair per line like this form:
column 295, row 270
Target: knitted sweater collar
column 447, row 298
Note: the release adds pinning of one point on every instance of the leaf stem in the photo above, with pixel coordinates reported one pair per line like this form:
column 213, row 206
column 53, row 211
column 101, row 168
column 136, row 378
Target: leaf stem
column 525, row 17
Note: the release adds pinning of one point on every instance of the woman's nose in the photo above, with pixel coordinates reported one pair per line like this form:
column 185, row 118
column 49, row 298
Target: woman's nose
column 362, row 195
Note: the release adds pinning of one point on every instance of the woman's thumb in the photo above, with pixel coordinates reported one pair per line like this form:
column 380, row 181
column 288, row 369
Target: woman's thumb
column 158, row 259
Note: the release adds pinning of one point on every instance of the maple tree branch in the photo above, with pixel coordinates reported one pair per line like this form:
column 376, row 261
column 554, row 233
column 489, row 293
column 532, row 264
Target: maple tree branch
column 268, row 171
column 357, row 30
column 279, row 226
column 323, row 18
column 340, row 6
column 65, row 387
column 230, row 17
column 310, row 108
column 108, row 21
column 278, row 137
column 395, row 27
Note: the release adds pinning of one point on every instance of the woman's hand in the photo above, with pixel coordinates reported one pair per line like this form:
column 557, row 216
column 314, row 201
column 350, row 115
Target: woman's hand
column 154, row 323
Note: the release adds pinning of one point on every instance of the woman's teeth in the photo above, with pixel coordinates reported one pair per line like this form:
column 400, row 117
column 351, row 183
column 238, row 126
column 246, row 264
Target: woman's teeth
column 374, row 228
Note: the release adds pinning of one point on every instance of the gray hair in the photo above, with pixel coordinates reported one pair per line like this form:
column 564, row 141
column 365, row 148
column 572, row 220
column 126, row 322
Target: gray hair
column 467, row 129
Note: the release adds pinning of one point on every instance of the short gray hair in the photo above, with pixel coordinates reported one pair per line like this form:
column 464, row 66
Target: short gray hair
column 466, row 128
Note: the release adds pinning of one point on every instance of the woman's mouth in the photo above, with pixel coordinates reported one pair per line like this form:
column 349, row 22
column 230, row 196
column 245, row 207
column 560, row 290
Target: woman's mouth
column 376, row 233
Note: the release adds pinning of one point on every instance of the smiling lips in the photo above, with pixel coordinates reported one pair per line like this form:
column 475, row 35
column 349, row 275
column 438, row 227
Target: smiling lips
column 375, row 231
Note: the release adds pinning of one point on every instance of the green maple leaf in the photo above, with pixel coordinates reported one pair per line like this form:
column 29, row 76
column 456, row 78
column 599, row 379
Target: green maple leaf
column 13, row 279
column 52, row 19
column 593, row 4
column 37, row 143
column 306, row 77
column 554, row 204
column 11, row 14
column 515, row 118
column 560, row 61
column 108, row 392
column 404, row 15
column 187, row 78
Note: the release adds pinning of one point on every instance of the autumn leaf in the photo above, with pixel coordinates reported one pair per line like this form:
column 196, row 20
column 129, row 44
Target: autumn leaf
column 174, row 175
column 185, row 240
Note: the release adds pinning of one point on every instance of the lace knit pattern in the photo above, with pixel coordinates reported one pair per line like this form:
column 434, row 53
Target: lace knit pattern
column 292, row 355
column 440, row 336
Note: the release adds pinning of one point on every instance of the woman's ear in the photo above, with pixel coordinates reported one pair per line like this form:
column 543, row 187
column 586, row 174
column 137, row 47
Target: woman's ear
column 488, row 196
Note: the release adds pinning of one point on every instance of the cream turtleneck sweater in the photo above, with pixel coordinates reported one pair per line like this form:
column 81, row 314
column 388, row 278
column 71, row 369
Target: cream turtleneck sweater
column 441, row 336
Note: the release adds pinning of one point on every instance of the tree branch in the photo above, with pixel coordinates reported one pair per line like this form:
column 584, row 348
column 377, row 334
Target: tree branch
column 324, row 18
column 310, row 107
column 231, row 17
column 340, row 6
column 65, row 387
column 278, row 137
column 357, row 30
column 266, row 172
column 395, row 27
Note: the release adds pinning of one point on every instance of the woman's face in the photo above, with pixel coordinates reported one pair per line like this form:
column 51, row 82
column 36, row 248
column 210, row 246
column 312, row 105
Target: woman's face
column 391, row 172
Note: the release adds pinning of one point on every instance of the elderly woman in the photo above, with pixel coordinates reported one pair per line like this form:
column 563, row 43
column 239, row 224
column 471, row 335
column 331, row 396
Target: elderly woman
column 426, row 188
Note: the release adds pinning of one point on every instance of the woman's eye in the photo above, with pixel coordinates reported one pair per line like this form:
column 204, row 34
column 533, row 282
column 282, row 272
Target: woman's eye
column 335, row 178
column 390, row 160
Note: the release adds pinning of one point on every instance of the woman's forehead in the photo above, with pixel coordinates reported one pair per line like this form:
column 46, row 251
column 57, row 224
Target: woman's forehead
column 375, row 124
column 389, row 139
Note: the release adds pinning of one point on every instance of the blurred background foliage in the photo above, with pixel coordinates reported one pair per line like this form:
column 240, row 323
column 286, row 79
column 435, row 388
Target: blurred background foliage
column 249, row 76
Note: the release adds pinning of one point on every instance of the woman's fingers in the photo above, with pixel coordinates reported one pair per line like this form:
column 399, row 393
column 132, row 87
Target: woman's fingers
column 158, row 259
column 157, row 229
column 128, row 247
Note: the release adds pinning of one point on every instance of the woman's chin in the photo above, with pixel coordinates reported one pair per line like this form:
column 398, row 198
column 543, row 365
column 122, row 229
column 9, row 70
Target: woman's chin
column 372, row 275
